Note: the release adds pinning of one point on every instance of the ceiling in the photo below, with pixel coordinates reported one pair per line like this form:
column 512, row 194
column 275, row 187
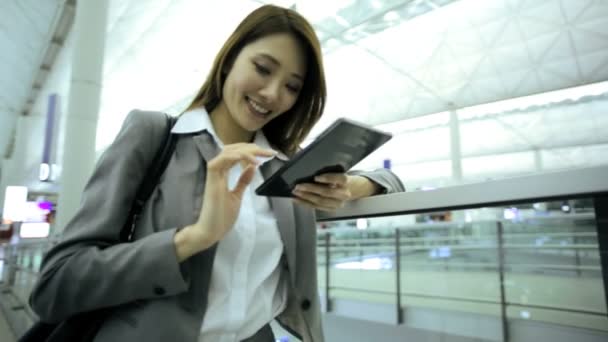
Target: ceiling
column 386, row 61
column 26, row 28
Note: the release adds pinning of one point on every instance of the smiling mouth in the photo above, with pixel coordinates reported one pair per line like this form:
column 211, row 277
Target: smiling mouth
column 257, row 108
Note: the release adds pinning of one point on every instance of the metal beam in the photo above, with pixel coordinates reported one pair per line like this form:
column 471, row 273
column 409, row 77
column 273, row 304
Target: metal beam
column 585, row 182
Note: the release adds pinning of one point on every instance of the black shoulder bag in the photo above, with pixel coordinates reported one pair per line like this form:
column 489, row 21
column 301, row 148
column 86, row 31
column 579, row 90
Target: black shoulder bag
column 84, row 326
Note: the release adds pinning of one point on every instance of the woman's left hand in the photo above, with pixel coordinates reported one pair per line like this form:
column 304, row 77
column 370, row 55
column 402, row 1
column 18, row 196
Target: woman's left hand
column 329, row 192
column 332, row 190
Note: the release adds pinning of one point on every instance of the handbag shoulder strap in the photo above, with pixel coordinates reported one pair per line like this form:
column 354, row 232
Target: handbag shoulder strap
column 155, row 171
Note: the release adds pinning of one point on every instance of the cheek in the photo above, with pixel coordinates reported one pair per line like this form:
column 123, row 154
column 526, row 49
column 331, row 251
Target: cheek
column 246, row 83
column 289, row 101
column 286, row 104
column 234, row 86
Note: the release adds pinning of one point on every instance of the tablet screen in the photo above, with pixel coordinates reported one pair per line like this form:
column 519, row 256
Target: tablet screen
column 341, row 146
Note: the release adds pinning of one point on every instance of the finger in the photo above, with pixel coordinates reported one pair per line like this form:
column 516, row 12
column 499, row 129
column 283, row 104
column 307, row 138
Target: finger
column 319, row 201
column 327, row 191
column 262, row 152
column 338, row 179
column 244, row 180
column 311, row 205
column 227, row 159
column 252, row 149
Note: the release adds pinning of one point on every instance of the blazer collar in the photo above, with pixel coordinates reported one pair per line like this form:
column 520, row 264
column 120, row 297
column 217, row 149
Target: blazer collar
column 198, row 121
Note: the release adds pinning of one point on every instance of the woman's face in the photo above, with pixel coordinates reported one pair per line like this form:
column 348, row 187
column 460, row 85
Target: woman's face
column 265, row 80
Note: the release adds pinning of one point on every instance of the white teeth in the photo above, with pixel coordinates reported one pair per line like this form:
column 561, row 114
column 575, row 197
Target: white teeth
column 258, row 108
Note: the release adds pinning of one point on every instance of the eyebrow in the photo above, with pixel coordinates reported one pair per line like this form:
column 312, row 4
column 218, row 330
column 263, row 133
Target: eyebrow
column 275, row 61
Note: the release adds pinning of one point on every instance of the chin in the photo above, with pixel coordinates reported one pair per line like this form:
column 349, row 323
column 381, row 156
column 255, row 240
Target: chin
column 251, row 127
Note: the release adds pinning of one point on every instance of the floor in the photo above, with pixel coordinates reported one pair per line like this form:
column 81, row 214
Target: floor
column 6, row 334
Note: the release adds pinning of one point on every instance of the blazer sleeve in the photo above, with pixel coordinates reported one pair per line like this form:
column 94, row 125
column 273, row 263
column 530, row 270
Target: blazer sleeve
column 388, row 181
column 89, row 268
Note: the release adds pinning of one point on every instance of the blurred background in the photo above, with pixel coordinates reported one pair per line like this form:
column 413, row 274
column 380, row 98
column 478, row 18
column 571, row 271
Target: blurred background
column 474, row 91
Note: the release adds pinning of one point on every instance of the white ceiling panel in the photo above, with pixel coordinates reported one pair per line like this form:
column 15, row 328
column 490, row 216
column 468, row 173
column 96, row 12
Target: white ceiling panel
column 25, row 27
column 385, row 60
column 24, row 34
column 499, row 50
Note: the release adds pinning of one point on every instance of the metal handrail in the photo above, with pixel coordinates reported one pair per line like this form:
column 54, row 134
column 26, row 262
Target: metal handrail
column 338, row 241
column 467, row 248
column 573, row 183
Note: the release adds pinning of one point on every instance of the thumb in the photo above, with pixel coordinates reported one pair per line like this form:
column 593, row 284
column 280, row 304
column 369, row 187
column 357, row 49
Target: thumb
column 244, row 180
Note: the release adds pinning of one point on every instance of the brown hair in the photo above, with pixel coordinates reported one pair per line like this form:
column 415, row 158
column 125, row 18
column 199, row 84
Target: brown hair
column 288, row 130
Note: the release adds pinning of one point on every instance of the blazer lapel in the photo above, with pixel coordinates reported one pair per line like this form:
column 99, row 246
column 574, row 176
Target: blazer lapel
column 283, row 211
column 206, row 146
column 282, row 207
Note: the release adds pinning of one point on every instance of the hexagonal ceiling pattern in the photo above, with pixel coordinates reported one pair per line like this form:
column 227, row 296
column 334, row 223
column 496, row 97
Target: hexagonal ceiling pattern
column 386, row 60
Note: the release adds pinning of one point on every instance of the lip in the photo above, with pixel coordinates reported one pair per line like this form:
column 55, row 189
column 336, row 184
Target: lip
column 254, row 113
column 258, row 102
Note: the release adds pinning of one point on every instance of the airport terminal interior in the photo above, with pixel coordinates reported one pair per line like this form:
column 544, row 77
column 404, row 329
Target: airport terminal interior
column 495, row 111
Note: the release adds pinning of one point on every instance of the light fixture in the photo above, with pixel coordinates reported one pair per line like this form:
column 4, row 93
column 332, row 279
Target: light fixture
column 44, row 172
column 362, row 224
column 15, row 198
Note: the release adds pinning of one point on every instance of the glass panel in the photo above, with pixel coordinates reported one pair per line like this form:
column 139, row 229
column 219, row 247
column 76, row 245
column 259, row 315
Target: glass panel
column 362, row 264
column 450, row 266
column 552, row 266
column 450, row 262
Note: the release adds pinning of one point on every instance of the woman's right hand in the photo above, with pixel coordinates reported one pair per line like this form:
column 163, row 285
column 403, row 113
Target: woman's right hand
column 221, row 205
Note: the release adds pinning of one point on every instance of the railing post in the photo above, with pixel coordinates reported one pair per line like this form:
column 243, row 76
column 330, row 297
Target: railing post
column 398, row 276
column 501, row 275
column 577, row 257
column 600, row 202
column 327, row 262
column 13, row 261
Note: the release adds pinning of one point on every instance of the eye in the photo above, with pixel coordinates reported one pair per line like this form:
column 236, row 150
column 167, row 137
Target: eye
column 293, row 89
column 262, row 70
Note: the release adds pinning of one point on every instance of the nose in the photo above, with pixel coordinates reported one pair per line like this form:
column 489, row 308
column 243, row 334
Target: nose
column 271, row 92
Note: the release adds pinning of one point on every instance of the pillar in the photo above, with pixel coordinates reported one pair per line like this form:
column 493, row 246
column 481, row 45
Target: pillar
column 83, row 105
column 455, row 153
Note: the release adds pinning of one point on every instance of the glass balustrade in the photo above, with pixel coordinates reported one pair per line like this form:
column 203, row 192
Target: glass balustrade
column 520, row 263
column 549, row 264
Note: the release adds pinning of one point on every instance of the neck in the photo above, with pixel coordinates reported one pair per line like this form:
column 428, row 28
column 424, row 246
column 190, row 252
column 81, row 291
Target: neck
column 228, row 130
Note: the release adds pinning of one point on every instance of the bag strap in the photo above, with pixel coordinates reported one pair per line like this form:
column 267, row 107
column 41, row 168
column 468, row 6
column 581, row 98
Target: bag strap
column 151, row 179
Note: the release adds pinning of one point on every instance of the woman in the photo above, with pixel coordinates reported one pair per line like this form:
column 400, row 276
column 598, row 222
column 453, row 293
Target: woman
column 211, row 261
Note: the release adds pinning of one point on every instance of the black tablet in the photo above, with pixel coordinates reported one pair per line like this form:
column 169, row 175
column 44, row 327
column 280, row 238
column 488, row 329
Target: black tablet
column 341, row 146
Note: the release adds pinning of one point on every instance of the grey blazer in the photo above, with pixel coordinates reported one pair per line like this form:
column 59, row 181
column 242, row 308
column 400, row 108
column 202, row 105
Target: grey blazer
column 157, row 298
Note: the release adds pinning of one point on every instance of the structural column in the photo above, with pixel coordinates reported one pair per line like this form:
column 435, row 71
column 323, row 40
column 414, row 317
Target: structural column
column 538, row 160
column 455, row 152
column 14, row 168
column 89, row 32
